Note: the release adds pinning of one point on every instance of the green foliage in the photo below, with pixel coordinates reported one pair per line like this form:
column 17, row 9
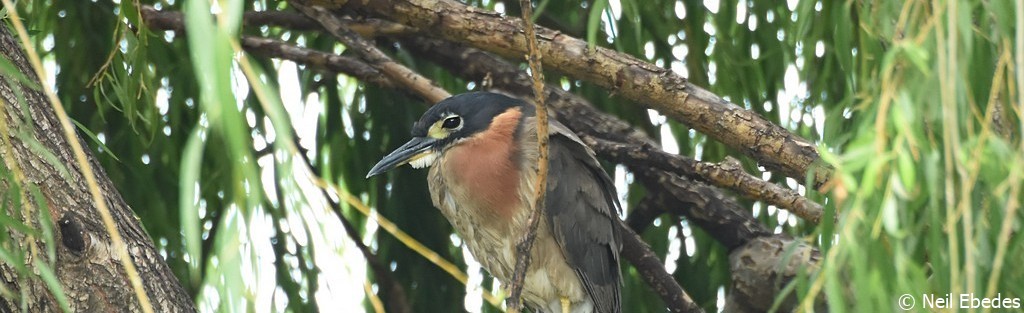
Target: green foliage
column 916, row 104
column 930, row 174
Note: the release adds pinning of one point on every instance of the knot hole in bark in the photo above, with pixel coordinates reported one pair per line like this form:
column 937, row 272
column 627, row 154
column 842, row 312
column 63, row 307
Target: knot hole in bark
column 71, row 234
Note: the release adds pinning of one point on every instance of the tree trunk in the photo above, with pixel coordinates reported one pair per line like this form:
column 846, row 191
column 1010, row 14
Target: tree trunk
column 86, row 264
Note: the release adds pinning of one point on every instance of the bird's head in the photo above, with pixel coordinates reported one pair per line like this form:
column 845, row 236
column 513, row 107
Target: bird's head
column 445, row 125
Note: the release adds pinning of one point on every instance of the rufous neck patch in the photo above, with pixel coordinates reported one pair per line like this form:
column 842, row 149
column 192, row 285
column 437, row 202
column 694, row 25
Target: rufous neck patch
column 483, row 165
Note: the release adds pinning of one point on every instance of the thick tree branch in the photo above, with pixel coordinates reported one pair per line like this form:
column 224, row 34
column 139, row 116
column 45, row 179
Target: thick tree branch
column 470, row 63
column 763, row 268
column 704, row 206
column 369, row 27
column 581, row 117
column 660, row 89
column 728, row 174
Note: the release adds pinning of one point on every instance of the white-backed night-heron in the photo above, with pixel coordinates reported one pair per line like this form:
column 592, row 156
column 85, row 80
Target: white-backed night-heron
column 482, row 152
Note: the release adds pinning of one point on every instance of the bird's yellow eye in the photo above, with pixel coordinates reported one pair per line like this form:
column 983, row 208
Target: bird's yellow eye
column 452, row 122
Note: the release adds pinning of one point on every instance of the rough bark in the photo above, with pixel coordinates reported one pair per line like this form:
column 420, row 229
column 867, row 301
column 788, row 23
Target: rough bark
column 86, row 264
column 763, row 267
column 727, row 174
column 771, row 145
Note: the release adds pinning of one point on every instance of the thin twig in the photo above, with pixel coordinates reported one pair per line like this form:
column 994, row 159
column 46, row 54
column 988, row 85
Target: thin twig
column 83, row 161
column 541, row 182
column 378, row 307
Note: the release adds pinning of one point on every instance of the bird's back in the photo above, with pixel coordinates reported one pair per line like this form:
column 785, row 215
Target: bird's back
column 581, row 209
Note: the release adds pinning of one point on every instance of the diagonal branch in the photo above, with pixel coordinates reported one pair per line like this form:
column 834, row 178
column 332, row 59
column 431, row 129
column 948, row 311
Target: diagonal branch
column 728, row 174
column 316, row 60
column 374, row 57
column 652, row 269
column 657, row 88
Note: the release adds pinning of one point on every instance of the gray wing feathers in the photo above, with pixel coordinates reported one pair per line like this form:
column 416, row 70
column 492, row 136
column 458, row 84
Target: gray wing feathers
column 581, row 207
